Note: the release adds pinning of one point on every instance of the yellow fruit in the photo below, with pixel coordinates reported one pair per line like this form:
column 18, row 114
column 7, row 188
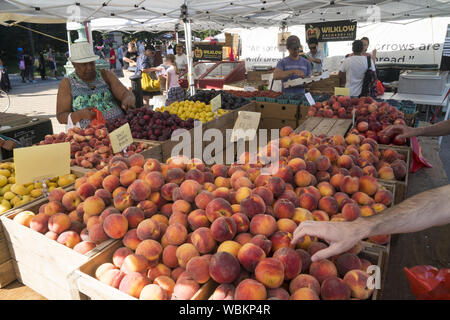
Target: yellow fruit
column 5, row 189
column 51, row 188
column 5, row 172
column 26, row 198
column 9, row 195
column 36, row 193
column 66, row 180
column 12, row 180
column 30, row 188
column 52, row 184
column 3, row 208
column 24, row 218
column 3, row 181
column 38, row 185
column 6, row 204
column 15, row 200
column 19, row 189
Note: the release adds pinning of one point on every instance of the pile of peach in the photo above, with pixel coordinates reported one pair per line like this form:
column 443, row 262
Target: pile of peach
column 90, row 147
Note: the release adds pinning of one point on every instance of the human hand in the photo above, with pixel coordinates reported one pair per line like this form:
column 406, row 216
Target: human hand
column 341, row 236
column 374, row 52
column 299, row 73
column 86, row 113
column 401, row 130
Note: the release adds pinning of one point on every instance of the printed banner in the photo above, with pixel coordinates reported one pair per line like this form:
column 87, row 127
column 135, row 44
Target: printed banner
column 208, row 52
column 331, row 31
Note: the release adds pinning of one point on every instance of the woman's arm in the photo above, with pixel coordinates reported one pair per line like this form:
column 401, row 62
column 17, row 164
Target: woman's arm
column 422, row 211
column 118, row 90
column 64, row 105
column 168, row 81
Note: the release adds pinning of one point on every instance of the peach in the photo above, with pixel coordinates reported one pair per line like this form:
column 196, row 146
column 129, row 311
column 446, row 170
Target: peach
column 129, row 262
column 176, row 234
column 370, row 171
column 349, row 184
column 236, row 208
column 286, row 131
column 283, row 208
column 157, row 199
column 384, row 196
column 281, row 239
column 304, row 294
column 400, row 169
column 185, row 289
column 313, row 154
column 265, row 194
column 291, row 262
column 304, row 281
column 166, row 283
column 203, row 240
column 242, row 193
column 223, row 229
column 298, row 150
column 203, row 198
column 357, row 282
column 297, row 164
column 152, row 165
column 242, row 222
column 243, row 238
column 158, row 270
column 362, row 198
column 224, row 291
column 169, row 257
column 380, row 239
column 230, row 247
column 386, row 173
column 308, row 201
column 303, row 178
column 290, row 195
column 105, row 195
column 148, row 208
column 263, row 224
column 270, row 272
column 95, row 179
column 39, row 222
column 139, row 190
column 153, row 292
column 334, row 288
column 96, row 233
column 148, row 229
column 323, row 269
column 313, row 191
column 249, row 255
column 321, row 176
column 76, row 226
column 69, row 238
column 86, row 190
column 276, row 185
column 122, row 201
column 223, row 193
column 220, row 170
column 93, row 220
column 346, row 262
column 197, row 219
column 262, row 180
column 115, row 226
column 250, row 289
column 329, row 205
column 59, row 223
column 150, row 249
column 263, row 242
column 198, row 269
column 378, row 207
column 326, row 189
column 218, row 208
column 51, row 235
column 301, row 214
column 181, row 206
column 351, row 211
column 131, row 240
column 52, row 208
column 117, row 167
column 118, row 190
column 322, row 163
column 133, row 283
column 134, row 216
column 345, row 161
column 184, row 253
column 107, row 212
column 287, row 225
column 112, row 277
column 277, row 294
column 167, row 190
column 224, row 267
column 367, row 211
column 189, row 190
column 101, row 269
column 126, row 177
column 368, row 185
column 175, row 175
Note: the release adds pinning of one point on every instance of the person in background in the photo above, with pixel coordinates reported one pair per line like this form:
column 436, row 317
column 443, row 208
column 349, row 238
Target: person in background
column 120, row 55
column 181, row 58
column 21, row 63
column 87, row 87
column 42, row 66
column 315, row 55
column 354, row 68
column 365, row 42
column 51, row 63
column 292, row 67
column 173, row 89
column 170, row 49
column 140, row 47
column 29, row 61
column 145, row 63
column 112, row 58
column 5, row 84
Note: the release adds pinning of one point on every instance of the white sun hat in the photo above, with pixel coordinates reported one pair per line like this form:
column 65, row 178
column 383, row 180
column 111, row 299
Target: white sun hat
column 82, row 52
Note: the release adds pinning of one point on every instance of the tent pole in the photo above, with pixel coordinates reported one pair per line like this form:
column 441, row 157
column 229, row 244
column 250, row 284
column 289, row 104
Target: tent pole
column 188, row 39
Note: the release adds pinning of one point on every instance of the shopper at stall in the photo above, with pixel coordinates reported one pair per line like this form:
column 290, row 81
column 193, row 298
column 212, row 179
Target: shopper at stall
column 5, row 84
column 42, row 63
column 181, row 58
column 173, row 89
column 130, row 57
column 315, row 55
column 292, row 67
column 365, row 41
column 145, row 63
column 112, row 58
column 86, row 88
column 422, row 211
column 353, row 69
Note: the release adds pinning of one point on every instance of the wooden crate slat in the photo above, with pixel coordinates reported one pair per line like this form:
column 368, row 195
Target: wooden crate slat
column 7, row 273
column 324, row 126
column 309, row 124
column 4, row 252
column 340, row 127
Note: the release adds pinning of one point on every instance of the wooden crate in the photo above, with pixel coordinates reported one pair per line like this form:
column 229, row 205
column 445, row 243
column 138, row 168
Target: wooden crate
column 39, row 262
column 327, row 126
column 378, row 255
column 272, row 110
column 401, row 189
column 86, row 287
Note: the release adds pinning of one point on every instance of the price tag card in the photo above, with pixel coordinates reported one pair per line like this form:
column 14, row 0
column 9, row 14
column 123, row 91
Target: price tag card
column 249, row 89
column 310, row 99
column 266, row 77
column 121, row 138
column 245, row 126
column 216, row 103
column 342, row 91
column 41, row 162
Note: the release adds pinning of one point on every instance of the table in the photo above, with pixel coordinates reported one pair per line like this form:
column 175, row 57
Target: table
column 427, row 247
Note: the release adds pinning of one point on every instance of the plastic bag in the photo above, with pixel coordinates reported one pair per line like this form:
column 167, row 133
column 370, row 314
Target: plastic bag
column 429, row 283
column 70, row 123
column 418, row 161
column 98, row 119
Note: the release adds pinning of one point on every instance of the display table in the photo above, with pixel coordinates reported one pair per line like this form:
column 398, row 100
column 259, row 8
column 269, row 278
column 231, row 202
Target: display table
column 428, row 247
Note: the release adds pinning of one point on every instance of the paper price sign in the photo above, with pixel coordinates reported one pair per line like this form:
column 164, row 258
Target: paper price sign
column 342, row 91
column 41, row 162
column 121, row 138
column 310, row 99
column 216, row 103
column 245, row 126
